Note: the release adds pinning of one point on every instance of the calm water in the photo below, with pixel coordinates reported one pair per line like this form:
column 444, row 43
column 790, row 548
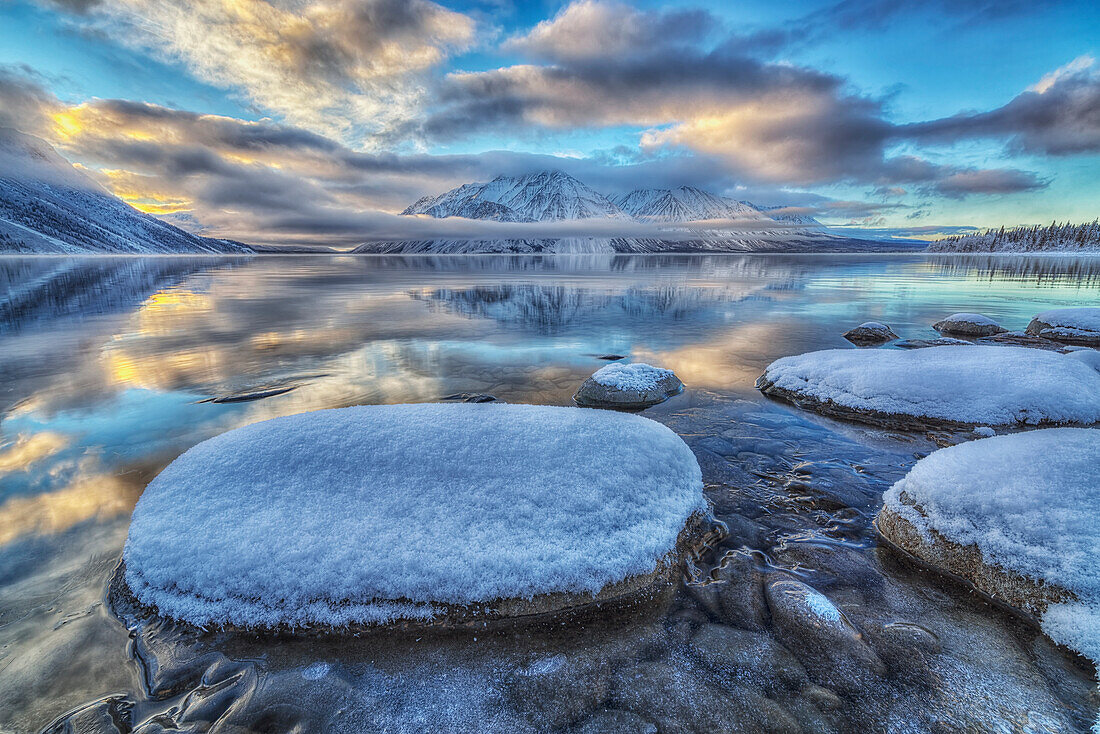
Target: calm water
column 104, row 362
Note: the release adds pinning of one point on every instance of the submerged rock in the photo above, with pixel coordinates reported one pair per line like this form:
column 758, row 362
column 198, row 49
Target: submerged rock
column 1069, row 325
column 433, row 513
column 968, row 324
column 943, row 341
column 870, row 333
column 954, row 387
column 244, row 397
column 628, row 387
column 469, row 397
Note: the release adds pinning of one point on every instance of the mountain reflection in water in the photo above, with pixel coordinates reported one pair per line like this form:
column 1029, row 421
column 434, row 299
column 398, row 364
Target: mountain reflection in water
column 104, row 362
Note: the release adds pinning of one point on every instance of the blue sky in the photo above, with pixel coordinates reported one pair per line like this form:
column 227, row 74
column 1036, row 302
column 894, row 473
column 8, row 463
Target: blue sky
column 908, row 115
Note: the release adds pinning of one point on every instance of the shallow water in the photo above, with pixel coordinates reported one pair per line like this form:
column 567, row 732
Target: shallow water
column 110, row 367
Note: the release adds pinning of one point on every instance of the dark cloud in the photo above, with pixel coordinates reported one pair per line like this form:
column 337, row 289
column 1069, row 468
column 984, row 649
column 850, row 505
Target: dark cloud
column 988, row 181
column 1059, row 116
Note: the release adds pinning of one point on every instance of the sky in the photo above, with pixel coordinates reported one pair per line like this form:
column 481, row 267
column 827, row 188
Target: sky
column 303, row 121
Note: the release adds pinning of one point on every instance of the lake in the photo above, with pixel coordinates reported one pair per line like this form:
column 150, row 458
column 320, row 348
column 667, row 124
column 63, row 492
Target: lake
column 111, row 367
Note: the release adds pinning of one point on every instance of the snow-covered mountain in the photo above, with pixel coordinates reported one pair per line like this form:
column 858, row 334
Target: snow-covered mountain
column 551, row 196
column 49, row 207
column 547, row 196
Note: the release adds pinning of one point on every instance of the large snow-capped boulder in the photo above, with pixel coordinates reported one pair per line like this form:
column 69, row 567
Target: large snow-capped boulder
column 435, row 512
column 628, row 387
column 1016, row 516
column 950, row 386
column 1070, row 325
column 869, row 333
column 968, row 324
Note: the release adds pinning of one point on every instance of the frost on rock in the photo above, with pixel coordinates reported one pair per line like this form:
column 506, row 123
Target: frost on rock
column 1072, row 325
column 376, row 513
column 870, row 332
column 1017, row 516
column 945, row 386
column 968, row 324
column 629, row 386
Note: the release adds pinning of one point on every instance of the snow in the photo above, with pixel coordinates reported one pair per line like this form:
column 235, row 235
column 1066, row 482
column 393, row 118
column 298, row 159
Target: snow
column 969, row 318
column 374, row 513
column 1091, row 357
column 637, row 376
column 1080, row 319
column 985, row 385
column 873, row 326
column 1029, row 502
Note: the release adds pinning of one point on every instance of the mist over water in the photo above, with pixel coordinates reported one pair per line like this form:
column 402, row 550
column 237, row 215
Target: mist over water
column 104, row 362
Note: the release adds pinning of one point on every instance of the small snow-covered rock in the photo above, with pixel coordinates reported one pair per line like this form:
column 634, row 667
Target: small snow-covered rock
column 1017, row 517
column 870, row 332
column 434, row 512
column 968, row 324
column 950, row 386
column 984, row 432
column 1071, row 325
column 628, row 387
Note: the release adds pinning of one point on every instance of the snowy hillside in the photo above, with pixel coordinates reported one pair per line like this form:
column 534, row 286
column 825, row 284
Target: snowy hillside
column 552, row 196
column 49, row 207
column 547, row 196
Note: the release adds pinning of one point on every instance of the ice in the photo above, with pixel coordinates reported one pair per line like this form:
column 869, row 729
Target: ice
column 1029, row 502
column 374, row 513
column 983, row 385
column 637, row 376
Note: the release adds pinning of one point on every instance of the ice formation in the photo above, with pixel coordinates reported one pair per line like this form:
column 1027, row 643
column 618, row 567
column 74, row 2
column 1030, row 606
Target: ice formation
column 972, row 385
column 374, row 513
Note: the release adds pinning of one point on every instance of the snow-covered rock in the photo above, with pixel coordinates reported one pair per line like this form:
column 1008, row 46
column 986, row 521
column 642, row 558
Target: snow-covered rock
column 48, row 206
column 947, row 386
column 1017, row 517
column 870, row 332
column 1091, row 357
column 628, row 387
column 1071, row 325
column 440, row 512
column 968, row 324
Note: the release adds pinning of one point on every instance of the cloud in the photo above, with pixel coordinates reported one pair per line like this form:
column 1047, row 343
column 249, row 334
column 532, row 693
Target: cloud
column 996, row 181
column 1060, row 115
column 348, row 68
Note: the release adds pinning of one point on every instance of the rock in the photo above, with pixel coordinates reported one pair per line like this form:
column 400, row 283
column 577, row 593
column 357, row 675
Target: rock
column 749, row 657
column 968, row 324
column 556, row 690
column 470, row 397
column 1021, row 339
column 1069, row 325
column 943, row 341
column 739, row 591
column 628, row 387
column 611, row 357
column 869, row 333
column 106, row 716
column 828, row 645
column 681, row 703
column 245, row 397
column 984, row 432
column 1091, row 357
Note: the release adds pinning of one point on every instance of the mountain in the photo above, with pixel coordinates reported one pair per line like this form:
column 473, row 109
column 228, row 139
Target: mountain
column 546, row 196
column 49, row 207
column 551, row 196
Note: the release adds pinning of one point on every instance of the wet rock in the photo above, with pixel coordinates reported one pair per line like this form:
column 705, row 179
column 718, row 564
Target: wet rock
column 943, row 341
column 739, row 593
column 968, row 324
column 469, row 397
column 611, row 357
column 558, row 690
column 906, row 648
column 870, row 333
column 112, row 715
column 628, row 387
column 613, row 721
column 678, row 701
column 749, row 657
column 1021, row 339
column 830, row 648
column 244, row 397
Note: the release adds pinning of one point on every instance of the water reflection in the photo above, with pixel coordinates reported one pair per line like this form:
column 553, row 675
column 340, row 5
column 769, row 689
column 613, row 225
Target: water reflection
column 104, row 363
